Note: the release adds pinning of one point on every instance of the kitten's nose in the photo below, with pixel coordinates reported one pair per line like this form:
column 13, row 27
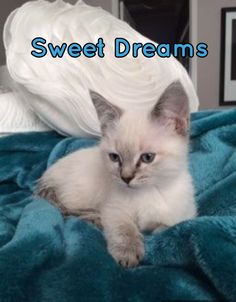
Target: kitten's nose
column 127, row 179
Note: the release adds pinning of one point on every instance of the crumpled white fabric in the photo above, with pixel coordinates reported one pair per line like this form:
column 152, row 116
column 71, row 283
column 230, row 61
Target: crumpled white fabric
column 57, row 89
column 15, row 116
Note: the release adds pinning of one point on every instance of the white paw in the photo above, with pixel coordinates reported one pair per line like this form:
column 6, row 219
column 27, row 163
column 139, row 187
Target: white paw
column 128, row 255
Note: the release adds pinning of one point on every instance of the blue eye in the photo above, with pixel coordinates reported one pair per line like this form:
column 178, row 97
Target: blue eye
column 114, row 157
column 147, row 158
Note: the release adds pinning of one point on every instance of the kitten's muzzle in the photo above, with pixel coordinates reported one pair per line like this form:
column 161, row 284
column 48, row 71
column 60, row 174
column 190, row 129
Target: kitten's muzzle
column 127, row 174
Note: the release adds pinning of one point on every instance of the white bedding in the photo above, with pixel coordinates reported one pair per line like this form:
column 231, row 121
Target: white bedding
column 15, row 116
column 57, row 89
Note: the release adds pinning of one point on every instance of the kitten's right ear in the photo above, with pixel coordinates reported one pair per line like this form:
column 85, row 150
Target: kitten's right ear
column 107, row 113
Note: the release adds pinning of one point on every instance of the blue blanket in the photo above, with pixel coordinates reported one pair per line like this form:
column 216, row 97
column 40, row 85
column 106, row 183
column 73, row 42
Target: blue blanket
column 44, row 257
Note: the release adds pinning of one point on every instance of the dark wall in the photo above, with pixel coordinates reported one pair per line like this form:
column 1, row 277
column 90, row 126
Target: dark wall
column 160, row 20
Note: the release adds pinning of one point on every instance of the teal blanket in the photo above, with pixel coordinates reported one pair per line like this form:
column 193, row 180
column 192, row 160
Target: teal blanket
column 44, row 257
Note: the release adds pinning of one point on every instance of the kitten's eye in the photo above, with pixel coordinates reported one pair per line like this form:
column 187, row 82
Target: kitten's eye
column 114, row 157
column 147, row 158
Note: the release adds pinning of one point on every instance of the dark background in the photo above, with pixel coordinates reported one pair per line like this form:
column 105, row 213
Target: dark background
column 163, row 21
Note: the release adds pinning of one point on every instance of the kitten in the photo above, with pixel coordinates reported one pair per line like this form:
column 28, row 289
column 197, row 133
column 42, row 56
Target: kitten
column 137, row 179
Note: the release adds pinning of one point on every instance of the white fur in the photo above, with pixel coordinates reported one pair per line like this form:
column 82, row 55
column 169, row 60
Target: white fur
column 161, row 192
column 88, row 179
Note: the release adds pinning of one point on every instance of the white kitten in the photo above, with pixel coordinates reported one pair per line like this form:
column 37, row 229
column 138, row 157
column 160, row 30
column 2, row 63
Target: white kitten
column 137, row 178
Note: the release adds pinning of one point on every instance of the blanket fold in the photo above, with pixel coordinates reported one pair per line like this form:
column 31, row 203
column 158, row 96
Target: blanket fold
column 46, row 257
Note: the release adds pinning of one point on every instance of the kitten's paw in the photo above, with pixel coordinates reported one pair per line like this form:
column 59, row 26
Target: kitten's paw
column 129, row 254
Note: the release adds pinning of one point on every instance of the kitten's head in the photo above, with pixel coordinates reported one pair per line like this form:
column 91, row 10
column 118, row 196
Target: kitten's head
column 143, row 147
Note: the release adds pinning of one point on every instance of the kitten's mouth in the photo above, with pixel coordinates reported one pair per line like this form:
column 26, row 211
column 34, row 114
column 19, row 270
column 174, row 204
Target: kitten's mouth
column 130, row 186
column 125, row 185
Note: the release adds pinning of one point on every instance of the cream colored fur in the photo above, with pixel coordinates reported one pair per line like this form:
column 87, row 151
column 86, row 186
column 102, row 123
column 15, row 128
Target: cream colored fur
column 161, row 192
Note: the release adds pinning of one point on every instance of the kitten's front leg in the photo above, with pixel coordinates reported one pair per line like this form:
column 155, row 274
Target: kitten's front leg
column 124, row 241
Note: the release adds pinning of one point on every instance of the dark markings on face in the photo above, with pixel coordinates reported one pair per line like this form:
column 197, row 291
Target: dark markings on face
column 127, row 168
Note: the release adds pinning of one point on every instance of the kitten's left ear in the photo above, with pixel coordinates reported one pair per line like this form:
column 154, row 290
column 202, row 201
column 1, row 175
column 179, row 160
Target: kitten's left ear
column 173, row 108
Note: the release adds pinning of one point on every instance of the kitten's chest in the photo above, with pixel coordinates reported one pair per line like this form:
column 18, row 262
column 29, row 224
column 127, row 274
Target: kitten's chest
column 150, row 210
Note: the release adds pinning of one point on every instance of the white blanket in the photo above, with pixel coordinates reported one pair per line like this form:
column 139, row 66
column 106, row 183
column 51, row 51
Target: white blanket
column 16, row 117
column 57, row 89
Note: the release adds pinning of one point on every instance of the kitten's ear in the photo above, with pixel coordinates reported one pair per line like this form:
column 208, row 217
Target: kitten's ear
column 173, row 108
column 107, row 113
